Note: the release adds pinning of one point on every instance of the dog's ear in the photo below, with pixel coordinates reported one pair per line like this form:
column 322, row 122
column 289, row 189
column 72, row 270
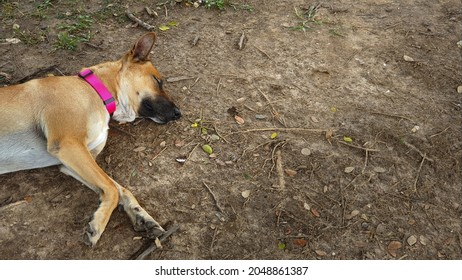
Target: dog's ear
column 142, row 48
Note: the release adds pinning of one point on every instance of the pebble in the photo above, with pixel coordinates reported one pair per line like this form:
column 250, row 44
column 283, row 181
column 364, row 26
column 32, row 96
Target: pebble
column 306, row 152
column 408, row 58
column 349, row 169
column 411, row 240
column 459, row 89
column 260, row 117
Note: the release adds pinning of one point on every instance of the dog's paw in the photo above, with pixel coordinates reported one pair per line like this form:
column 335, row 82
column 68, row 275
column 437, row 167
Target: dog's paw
column 91, row 235
column 148, row 225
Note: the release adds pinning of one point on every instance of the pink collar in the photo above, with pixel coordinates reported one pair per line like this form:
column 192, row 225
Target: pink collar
column 99, row 87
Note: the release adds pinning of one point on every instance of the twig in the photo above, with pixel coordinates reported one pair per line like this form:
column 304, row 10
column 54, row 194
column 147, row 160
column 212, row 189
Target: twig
column 365, row 161
column 214, row 198
column 213, row 239
column 190, row 153
column 139, row 21
column 281, row 129
column 418, row 173
column 393, row 116
column 280, row 170
column 11, row 205
column 218, row 133
column 358, row 147
column 273, row 110
column 142, row 253
column 260, row 50
column 165, row 148
column 439, row 133
column 241, row 43
column 121, row 130
column 409, row 145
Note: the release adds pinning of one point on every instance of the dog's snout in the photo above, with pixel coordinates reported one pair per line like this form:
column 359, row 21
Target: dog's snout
column 176, row 113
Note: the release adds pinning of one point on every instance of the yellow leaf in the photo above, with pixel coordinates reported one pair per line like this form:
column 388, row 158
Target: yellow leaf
column 164, row 27
column 194, row 125
column 333, row 109
column 274, row 135
column 172, row 23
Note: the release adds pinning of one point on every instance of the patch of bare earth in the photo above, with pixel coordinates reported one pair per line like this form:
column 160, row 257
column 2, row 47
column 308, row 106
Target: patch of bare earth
column 348, row 149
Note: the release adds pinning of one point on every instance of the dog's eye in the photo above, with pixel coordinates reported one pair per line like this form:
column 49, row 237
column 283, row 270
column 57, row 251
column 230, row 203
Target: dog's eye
column 160, row 83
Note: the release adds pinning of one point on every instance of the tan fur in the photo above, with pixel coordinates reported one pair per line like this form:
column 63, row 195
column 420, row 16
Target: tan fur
column 62, row 121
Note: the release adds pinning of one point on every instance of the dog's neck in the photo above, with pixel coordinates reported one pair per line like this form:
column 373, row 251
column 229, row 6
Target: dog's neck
column 108, row 74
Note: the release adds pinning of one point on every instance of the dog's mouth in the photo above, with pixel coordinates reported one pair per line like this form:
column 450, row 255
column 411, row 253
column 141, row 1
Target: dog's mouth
column 160, row 110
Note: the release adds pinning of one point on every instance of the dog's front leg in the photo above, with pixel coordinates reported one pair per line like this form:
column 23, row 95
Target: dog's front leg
column 75, row 156
column 141, row 220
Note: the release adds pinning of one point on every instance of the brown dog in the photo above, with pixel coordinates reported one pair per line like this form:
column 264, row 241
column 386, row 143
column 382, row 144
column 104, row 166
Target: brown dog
column 63, row 121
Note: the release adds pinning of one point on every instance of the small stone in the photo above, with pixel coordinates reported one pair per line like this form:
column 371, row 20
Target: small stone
column 163, row 143
column 193, row 206
column 306, row 206
column 379, row 169
column 459, row 44
column 423, row 240
column 240, row 100
column 214, row 137
column 260, row 117
column 415, row 129
column 408, row 58
column 306, row 152
column 245, row 194
column 349, row 169
column 459, row 89
column 411, row 240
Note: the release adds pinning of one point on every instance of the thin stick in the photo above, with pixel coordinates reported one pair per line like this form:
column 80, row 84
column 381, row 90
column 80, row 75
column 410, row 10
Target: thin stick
column 365, row 162
column 154, row 158
column 280, row 170
column 190, row 153
column 409, row 145
column 418, row 173
column 213, row 239
column 139, row 21
column 439, row 133
column 273, row 110
column 282, row 129
column 121, row 130
column 214, row 198
column 142, row 253
column 358, row 147
column 394, row 116
column 260, row 50
column 241, row 43
column 218, row 133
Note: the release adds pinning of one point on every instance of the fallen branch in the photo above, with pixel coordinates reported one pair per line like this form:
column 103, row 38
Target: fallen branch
column 143, row 252
column 139, row 21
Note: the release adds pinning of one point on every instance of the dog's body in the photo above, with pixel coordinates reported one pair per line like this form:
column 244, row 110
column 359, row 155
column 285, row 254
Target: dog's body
column 63, row 121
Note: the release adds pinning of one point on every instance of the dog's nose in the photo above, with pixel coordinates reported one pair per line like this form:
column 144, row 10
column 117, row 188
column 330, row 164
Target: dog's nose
column 176, row 113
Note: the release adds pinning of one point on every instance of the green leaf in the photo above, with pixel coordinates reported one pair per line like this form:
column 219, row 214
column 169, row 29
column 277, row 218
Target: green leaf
column 207, row 149
column 347, row 139
column 281, row 246
column 172, row 23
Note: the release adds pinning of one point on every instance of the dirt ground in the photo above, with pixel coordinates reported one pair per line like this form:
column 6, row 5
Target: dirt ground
column 350, row 146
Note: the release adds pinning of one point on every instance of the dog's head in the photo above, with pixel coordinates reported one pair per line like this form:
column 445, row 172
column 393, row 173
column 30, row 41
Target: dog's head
column 141, row 90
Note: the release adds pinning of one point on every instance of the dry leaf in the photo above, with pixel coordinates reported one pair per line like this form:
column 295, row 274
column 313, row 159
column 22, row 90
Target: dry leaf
column 28, row 198
column 290, row 172
column 315, row 212
column 329, row 135
column 179, row 143
column 320, row 253
column 139, row 149
column 239, row 119
column 393, row 246
column 300, row 242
